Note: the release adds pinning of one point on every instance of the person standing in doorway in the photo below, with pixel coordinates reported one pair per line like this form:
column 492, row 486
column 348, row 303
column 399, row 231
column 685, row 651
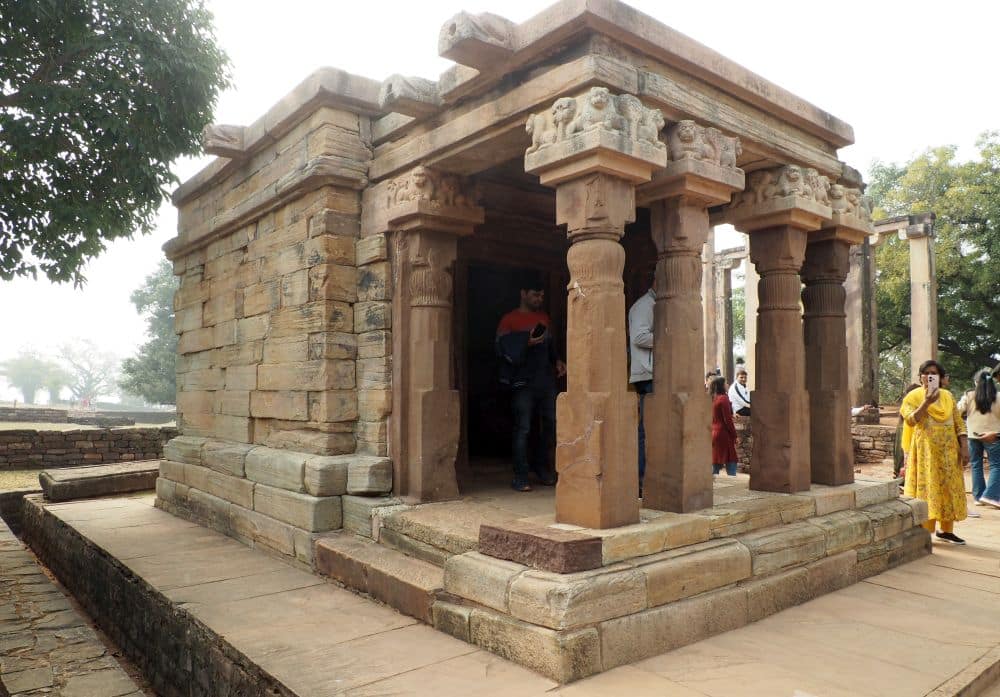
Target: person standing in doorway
column 739, row 394
column 938, row 450
column 529, row 366
column 640, row 344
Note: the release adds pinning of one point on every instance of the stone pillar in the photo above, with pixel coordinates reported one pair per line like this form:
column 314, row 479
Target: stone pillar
column 778, row 210
column 678, row 412
column 724, row 316
column 426, row 213
column 594, row 149
column 868, row 393
column 751, row 281
column 708, row 303
column 827, row 263
column 923, row 296
column 854, row 319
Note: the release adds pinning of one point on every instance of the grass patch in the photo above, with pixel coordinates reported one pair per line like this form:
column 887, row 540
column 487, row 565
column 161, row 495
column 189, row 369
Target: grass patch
column 19, row 479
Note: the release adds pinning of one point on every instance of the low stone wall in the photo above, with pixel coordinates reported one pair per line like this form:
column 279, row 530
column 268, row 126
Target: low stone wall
column 27, row 449
column 178, row 654
column 279, row 500
column 872, row 444
column 30, row 414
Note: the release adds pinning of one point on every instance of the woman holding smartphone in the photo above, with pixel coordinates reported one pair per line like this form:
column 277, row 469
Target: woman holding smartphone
column 938, row 449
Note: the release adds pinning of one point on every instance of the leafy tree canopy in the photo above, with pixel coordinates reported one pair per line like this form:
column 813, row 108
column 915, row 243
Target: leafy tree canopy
column 92, row 372
column 965, row 196
column 151, row 373
column 97, row 98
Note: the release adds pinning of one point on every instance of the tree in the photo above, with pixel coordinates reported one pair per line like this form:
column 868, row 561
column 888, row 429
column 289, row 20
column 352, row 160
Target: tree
column 97, row 99
column 151, row 373
column 965, row 196
column 92, row 372
column 26, row 373
column 55, row 380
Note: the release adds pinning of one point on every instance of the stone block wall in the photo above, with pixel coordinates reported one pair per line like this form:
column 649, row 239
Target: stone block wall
column 872, row 444
column 25, row 449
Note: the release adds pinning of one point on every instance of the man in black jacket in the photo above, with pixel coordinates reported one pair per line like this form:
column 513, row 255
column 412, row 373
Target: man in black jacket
column 529, row 365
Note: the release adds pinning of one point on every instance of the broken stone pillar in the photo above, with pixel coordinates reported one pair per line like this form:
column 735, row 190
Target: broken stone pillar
column 594, row 157
column 827, row 263
column 426, row 212
column 923, row 293
column 778, row 210
column 677, row 415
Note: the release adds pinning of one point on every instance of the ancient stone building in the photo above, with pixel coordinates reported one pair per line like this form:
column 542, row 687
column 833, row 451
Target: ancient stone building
column 345, row 261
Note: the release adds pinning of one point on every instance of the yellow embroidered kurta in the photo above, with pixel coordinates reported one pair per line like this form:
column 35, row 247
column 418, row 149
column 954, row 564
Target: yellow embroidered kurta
column 933, row 471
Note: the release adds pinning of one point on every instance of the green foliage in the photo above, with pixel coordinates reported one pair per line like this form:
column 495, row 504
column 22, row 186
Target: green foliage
column 965, row 196
column 151, row 373
column 27, row 373
column 91, row 371
column 96, row 100
column 739, row 316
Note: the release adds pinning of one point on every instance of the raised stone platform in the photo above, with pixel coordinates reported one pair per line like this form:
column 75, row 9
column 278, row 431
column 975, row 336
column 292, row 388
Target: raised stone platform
column 202, row 614
column 570, row 602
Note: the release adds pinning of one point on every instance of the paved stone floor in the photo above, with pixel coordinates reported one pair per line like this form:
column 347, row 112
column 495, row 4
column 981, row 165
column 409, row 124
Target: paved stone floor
column 920, row 629
column 46, row 646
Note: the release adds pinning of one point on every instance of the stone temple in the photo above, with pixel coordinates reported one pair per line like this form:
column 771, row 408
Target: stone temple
column 343, row 265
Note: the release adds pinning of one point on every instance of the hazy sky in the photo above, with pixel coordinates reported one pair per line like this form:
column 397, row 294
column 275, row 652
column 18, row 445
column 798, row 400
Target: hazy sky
column 905, row 75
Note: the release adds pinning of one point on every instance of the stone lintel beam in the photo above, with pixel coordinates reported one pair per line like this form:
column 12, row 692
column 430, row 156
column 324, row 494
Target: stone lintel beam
column 412, row 96
column 701, row 182
column 593, row 149
column 224, row 140
column 478, row 41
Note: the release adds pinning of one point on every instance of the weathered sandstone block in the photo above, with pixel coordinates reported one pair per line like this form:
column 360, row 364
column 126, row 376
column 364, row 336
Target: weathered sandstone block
column 326, row 476
column 312, row 513
column 278, row 468
column 844, row 530
column 184, row 449
column 687, row 571
column 228, row 458
column 369, row 475
column 784, row 547
column 481, row 579
column 564, row 601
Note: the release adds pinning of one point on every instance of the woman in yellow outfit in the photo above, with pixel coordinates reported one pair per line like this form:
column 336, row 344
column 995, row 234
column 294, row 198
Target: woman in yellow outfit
column 938, row 449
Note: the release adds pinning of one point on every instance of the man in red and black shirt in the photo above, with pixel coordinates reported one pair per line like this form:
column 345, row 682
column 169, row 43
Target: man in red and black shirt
column 530, row 365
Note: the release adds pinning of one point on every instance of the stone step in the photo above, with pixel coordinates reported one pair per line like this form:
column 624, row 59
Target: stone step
column 99, row 480
column 402, row 582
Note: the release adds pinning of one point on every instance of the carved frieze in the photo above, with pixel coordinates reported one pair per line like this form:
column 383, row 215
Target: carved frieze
column 687, row 140
column 623, row 115
column 425, row 184
column 430, row 279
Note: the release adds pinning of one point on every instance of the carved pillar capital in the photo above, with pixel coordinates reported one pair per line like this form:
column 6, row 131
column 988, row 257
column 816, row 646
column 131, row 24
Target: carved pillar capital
column 701, row 169
column 425, row 198
column 784, row 196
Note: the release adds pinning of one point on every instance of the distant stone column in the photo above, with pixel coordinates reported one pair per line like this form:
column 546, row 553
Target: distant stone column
column 855, row 322
column 594, row 166
column 923, row 295
column 751, row 282
column 826, row 267
column 869, row 393
column 709, row 308
column 778, row 210
column 724, row 316
column 426, row 212
column 677, row 415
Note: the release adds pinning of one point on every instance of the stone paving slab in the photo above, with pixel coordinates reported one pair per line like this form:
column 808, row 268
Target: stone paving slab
column 46, row 646
column 917, row 630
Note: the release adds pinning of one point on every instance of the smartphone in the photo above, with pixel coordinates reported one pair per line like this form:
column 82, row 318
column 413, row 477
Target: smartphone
column 538, row 331
column 933, row 383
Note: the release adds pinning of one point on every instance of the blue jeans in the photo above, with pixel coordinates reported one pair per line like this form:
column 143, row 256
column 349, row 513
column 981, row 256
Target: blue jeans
column 979, row 486
column 642, row 388
column 526, row 401
column 730, row 469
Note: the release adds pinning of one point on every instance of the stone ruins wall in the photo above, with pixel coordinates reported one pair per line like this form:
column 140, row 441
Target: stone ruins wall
column 283, row 313
column 872, row 444
column 23, row 449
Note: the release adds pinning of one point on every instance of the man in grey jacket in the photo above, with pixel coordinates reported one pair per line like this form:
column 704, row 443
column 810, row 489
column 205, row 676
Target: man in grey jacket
column 640, row 342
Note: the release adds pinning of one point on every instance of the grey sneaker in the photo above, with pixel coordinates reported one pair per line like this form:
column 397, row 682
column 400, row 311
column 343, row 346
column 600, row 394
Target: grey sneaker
column 989, row 502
